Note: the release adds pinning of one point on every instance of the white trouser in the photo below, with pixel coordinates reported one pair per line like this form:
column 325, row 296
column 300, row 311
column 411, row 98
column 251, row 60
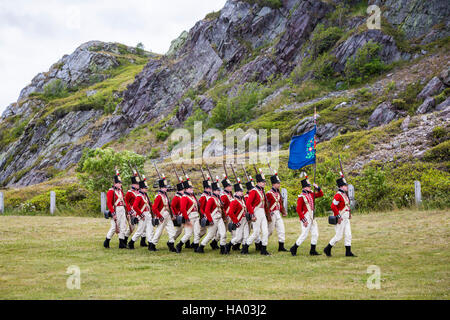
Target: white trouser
column 121, row 224
column 242, row 232
column 217, row 227
column 178, row 231
column 277, row 224
column 260, row 225
column 194, row 228
column 342, row 229
column 312, row 226
column 144, row 228
column 168, row 225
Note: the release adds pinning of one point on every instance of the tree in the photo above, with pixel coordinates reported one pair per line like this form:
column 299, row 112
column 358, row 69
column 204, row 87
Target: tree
column 140, row 48
column 96, row 167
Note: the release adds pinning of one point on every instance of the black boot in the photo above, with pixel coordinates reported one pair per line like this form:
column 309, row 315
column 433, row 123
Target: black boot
column 131, row 244
column 293, row 249
column 188, row 244
column 264, row 251
column 348, row 251
column 122, row 244
column 126, row 240
column 235, row 246
column 143, row 243
column 195, row 247
column 200, row 249
column 228, row 246
column 214, row 245
column 258, row 246
column 106, row 243
column 281, row 246
column 171, row 247
column 151, row 247
column 313, row 251
column 327, row 250
column 179, row 247
column 223, row 250
column 244, row 249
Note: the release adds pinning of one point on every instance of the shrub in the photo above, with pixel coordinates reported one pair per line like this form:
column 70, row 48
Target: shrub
column 363, row 94
column 96, row 167
column 161, row 135
column 365, row 63
column 400, row 104
column 439, row 135
column 323, row 67
column 55, row 89
column 212, row 15
column 324, row 39
column 439, row 153
column 154, row 153
column 140, row 48
column 274, row 4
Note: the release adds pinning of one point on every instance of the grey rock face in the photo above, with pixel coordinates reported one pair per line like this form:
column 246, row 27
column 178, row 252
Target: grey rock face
column 435, row 86
column 383, row 114
column 389, row 52
column 426, row 106
column 417, row 17
column 445, row 76
column 443, row 105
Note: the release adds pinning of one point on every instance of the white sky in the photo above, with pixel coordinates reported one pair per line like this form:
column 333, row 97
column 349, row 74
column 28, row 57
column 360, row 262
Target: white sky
column 34, row 34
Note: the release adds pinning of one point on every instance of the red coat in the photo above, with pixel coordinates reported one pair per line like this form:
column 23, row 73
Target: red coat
column 141, row 204
column 237, row 207
column 161, row 201
column 129, row 198
column 255, row 199
column 188, row 204
column 275, row 201
column 203, row 200
column 114, row 199
column 340, row 201
column 302, row 209
column 226, row 199
column 211, row 205
column 175, row 205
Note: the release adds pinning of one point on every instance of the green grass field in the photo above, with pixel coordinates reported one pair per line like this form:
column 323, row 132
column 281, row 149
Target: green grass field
column 410, row 247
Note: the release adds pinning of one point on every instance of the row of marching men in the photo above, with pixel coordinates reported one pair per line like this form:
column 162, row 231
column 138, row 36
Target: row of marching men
column 250, row 218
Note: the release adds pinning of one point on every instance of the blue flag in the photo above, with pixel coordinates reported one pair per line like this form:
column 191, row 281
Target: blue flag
column 302, row 150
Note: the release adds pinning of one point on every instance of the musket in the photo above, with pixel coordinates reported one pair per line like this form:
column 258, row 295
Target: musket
column 203, row 173
column 234, row 173
column 225, row 169
column 176, row 174
column 146, row 195
column 209, row 171
column 245, row 171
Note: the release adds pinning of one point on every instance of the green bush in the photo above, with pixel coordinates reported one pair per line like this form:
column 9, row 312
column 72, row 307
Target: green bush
column 140, row 48
column 161, row 135
column 439, row 153
column 322, row 67
column 55, row 89
column 96, row 167
column 324, row 39
column 154, row 153
column 365, row 63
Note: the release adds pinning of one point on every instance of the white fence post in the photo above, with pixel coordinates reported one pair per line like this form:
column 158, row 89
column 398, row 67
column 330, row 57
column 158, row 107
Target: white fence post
column 284, row 195
column 2, row 205
column 418, row 193
column 103, row 202
column 52, row 202
column 351, row 195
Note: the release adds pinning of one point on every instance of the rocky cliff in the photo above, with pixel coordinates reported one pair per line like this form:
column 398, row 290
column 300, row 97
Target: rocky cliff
column 103, row 91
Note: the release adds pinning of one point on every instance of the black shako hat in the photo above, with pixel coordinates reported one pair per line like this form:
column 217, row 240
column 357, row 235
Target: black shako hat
column 305, row 181
column 215, row 185
column 275, row 179
column 341, row 181
column 207, row 184
column 143, row 183
column 260, row 176
column 117, row 177
column 180, row 186
column 134, row 178
column 238, row 187
column 187, row 184
column 226, row 182
column 162, row 183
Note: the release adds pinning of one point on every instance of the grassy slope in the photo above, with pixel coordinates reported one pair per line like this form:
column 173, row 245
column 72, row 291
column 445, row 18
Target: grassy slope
column 410, row 247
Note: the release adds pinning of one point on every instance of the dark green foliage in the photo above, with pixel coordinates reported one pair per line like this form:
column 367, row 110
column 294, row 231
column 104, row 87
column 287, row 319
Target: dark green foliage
column 96, row 167
column 364, row 64
column 140, row 48
column 55, row 89
column 324, row 39
column 274, row 4
column 439, row 153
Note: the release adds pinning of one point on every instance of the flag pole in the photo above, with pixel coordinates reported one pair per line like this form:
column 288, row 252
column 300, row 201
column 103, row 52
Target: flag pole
column 315, row 162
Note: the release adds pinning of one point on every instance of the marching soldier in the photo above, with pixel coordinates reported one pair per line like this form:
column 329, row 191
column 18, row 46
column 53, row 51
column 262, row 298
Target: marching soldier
column 161, row 209
column 276, row 209
column 305, row 210
column 256, row 206
column 142, row 208
column 130, row 196
column 189, row 208
column 237, row 215
column 249, row 186
column 116, row 205
column 226, row 197
column 203, row 200
column 175, row 205
column 341, row 210
column 214, row 214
